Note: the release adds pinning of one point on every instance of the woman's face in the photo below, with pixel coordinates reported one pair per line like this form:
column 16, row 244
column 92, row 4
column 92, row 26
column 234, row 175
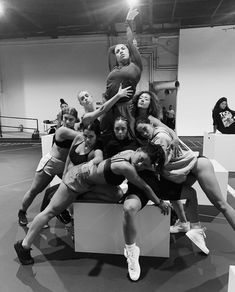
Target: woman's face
column 144, row 101
column 120, row 129
column 89, row 138
column 140, row 160
column 85, row 98
column 122, row 53
column 223, row 105
column 63, row 106
column 145, row 130
column 68, row 121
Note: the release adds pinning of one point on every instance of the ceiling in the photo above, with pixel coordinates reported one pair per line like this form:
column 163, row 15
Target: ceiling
column 57, row 18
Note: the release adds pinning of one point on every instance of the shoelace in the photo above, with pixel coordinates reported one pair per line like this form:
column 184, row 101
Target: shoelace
column 131, row 260
column 177, row 222
column 203, row 229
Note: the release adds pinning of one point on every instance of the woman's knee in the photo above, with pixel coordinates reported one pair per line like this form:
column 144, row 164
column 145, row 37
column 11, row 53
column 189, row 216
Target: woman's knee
column 204, row 165
column 131, row 207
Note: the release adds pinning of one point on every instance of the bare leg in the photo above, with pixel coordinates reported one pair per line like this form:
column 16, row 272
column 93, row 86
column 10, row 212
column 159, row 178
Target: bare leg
column 60, row 201
column 131, row 206
column 205, row 175
column 40, row 182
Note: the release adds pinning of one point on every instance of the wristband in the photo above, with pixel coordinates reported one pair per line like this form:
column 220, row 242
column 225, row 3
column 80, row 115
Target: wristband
column 160, row 202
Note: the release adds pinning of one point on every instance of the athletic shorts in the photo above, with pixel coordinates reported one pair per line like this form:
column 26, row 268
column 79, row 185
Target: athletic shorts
column 169, row 190
column 51, row 165
column 75, row 181
column 163, row 188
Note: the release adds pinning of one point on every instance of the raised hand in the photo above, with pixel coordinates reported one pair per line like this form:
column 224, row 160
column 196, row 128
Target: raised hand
column 125, row 91
column 132, row 13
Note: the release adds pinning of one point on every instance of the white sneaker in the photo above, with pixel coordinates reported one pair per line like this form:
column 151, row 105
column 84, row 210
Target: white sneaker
column 197, row 235
column 180, row 227
column 133, row 262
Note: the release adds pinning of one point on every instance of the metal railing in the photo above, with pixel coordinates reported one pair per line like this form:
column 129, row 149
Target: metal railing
column 35, row 129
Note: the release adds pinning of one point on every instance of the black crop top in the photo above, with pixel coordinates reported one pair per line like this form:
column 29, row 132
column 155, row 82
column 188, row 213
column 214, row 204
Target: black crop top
column 110, row 177
column 77, row 158
column 62, row 144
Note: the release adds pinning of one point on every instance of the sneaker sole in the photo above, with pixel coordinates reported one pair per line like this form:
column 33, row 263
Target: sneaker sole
column 206, row 251
column 137, row 277
column 178, row 231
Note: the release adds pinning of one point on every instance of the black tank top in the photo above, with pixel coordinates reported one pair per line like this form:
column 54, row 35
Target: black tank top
column 110, row 177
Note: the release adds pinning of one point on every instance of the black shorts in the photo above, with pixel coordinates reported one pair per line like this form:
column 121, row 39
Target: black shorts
column 169, row 190
column 163, row 188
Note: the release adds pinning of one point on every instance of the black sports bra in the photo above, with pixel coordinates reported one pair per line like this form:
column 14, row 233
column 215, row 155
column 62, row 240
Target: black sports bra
column 63, row 144
column 110, row 177
column 77, row 158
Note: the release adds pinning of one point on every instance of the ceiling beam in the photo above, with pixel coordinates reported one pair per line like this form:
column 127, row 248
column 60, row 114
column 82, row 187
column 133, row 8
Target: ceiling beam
column 216, row 9
column 173, row 11
column 150, row 13
column 89, row 13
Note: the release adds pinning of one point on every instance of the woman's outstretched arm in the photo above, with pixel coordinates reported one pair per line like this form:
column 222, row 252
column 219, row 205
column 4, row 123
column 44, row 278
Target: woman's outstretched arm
column 91, row 116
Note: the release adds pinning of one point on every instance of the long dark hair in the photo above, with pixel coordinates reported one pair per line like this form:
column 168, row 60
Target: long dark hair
column 154, row 108
column 217, row 105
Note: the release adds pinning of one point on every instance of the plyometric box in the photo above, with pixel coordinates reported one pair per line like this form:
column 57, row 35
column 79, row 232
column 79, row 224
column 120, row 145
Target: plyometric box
column 222, row 177
column 231, row 280
column 98, row 229
column 221, row 148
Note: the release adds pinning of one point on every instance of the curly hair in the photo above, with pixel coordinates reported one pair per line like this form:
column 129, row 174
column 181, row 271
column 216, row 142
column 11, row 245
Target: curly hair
column 154, row 108
column 156, row 155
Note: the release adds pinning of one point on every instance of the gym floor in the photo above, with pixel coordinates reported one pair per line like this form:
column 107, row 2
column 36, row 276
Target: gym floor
column 58, row 268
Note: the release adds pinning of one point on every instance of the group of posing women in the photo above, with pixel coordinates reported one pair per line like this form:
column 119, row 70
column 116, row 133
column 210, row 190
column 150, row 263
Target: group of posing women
column 131, row 145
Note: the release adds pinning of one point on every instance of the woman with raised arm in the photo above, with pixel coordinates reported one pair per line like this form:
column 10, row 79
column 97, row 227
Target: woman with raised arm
column 91, row 113
column 126, row 70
